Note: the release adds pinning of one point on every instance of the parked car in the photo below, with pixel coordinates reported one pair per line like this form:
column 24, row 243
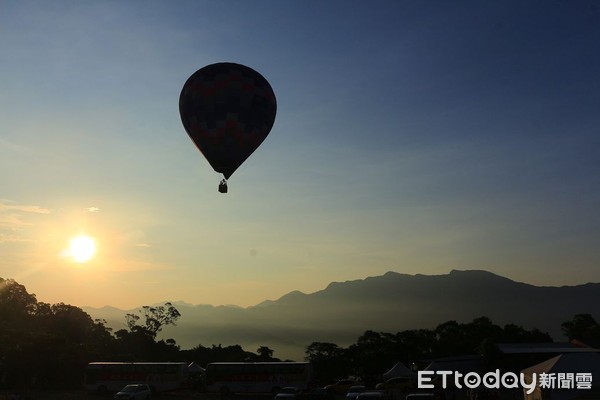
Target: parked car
column 484, row 394
column 354, row 391
column 288, row 393
column 421, row 396
column 397, row 388
column 399, row 382
column 134, row 392
column 319, row 394
column 341, row 386
column 371, row 395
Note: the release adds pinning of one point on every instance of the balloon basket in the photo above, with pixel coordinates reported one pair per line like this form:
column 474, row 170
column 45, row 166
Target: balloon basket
column 223, row 186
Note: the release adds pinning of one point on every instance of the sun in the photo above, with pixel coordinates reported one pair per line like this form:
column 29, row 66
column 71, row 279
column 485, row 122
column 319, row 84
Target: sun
column 81, row 248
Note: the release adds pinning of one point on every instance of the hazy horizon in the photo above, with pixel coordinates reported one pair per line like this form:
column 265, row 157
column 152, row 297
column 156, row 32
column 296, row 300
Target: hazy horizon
column 411, row 136
column 318, row 290
column 390, row 303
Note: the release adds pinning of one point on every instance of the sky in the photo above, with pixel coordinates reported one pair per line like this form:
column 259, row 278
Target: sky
column 411, row 136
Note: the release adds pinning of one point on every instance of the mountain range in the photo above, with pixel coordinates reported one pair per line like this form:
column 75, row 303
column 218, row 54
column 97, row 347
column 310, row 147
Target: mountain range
column 392, row 302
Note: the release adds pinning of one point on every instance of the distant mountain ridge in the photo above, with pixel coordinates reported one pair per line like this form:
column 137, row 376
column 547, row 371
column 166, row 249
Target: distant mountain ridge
column 392, row 302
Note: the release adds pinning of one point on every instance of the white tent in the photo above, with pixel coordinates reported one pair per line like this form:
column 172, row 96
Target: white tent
column 398, row 370
column 194, row 368
column 568, row 363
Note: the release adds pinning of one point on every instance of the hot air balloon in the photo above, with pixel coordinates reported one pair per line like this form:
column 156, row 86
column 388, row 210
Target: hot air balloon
column 228, row 110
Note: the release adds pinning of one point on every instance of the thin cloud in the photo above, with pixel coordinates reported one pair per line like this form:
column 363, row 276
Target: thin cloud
column 142, row 245
column 93, row 209
column 12, row 146
column 14, row 219
column 5, row 205
column 12, row 238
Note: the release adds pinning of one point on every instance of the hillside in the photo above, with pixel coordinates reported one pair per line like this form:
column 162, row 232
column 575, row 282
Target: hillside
column 392, row 302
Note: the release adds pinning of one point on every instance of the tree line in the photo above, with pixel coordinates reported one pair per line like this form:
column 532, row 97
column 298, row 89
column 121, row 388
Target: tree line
column 48, row 346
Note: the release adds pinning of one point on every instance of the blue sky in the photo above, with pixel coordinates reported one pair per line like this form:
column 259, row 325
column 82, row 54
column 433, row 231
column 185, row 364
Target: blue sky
column 413, row 136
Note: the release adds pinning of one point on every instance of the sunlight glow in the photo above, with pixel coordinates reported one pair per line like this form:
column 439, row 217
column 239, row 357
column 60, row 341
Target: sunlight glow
column 81, row 248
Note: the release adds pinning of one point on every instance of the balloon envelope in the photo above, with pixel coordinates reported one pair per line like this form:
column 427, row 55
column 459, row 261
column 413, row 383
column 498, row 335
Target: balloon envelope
column 227, row 110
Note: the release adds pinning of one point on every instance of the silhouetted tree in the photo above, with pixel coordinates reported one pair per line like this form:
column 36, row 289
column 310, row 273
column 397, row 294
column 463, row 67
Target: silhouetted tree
column 264, row 353
column 43, row 345
column 16, row 304
column 138, row 343
column 46, row 346
column 450, row 338
column 135, row 345
column 417, row 344
column 235, row 353
column 517, row 334
column 582, row 327
column 154, row 318
column 376, row 352
column 229, row 353
column 372, row 351
column 328, row 360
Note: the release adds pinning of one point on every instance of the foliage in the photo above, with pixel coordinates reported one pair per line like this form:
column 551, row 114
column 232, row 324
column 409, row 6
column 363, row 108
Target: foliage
column 329, row 361
column 154, row 319
column 47, row 346
column 234, row 353
column 264, row 353
column 582, row 327
column 375, row 352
